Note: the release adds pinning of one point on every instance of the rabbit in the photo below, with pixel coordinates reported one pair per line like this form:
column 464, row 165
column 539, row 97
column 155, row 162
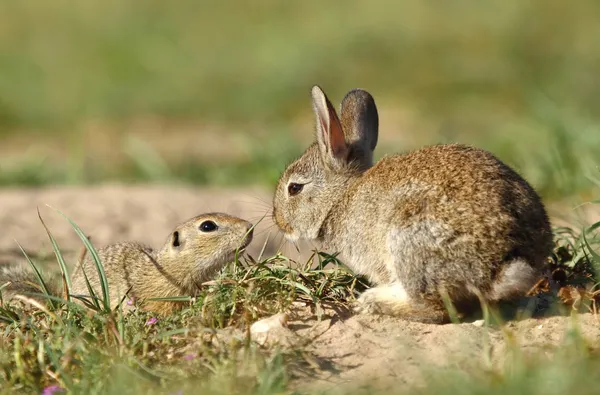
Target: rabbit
column 446, row 222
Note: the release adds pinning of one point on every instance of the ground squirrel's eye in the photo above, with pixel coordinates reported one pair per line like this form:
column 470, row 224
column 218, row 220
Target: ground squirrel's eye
column 294, row 189
column 208, row 226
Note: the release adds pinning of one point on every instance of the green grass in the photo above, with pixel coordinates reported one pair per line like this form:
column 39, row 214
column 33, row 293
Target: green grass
column 205, row 347
column 518, row 78
column 62, row 344
column 64, row 62
column 262, row 163
column 557, row 156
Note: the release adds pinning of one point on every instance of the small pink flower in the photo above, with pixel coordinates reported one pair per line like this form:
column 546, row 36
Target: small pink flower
column 130, row 302
column 151, row 321
column 189, row 357
column 52, row 389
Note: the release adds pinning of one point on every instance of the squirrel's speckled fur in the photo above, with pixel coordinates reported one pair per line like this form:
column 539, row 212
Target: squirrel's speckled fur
column 443, row 220
column 188, row 258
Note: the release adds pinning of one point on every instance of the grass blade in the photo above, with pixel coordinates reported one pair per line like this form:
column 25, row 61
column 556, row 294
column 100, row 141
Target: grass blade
column 301, row 287
column 56, row 299
column 55, row 361
column 95, row 259
column 85, row 300
column 594, row 227
column 2, row 286
column 172, row 299
column 59, row 257
column 37, row 273
column 91, row 291
column 594, row 254
column 125, row 296
column 173, row 332
column 8, row 316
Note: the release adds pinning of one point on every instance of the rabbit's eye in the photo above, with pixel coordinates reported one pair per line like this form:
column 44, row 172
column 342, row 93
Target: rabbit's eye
column 294, row 189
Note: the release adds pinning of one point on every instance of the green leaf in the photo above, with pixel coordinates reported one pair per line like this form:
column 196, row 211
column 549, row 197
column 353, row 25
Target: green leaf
column 180, row 331
column 90, row 305
column 53, row 298
column 594, row 227
column 594, row 254
column 96, row 260
column 118, row 306
column 59, row 257
column 93, row 296
column 172, row 299
column 37, row 272
column 302, row 288
column 55, row 360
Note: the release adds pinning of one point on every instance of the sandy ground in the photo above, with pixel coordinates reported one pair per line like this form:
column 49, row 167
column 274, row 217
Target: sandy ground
column 387, row 353
column 113, row 213
column 345, row 349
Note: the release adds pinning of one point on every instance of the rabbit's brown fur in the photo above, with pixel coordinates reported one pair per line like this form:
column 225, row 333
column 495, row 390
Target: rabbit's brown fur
column 188, row 258
column 443, row 220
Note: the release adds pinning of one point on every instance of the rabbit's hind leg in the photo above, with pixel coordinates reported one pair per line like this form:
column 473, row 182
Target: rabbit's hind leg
column 393, row 300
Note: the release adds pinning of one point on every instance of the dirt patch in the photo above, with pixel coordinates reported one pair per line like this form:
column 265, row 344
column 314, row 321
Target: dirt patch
column 346, row 351
column 113, row 213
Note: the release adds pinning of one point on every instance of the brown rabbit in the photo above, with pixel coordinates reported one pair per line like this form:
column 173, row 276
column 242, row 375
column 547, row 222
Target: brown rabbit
column 445, row 220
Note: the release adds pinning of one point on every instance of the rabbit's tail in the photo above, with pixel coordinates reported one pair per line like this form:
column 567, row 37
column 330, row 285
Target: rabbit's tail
column 516, row 279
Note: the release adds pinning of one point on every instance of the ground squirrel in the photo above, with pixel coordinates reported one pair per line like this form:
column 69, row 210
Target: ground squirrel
column 193, row 253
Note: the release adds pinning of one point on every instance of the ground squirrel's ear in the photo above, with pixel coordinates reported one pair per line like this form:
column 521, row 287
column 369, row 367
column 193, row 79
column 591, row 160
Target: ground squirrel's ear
column 175, row 239
column 360, row 123
column 330, row 135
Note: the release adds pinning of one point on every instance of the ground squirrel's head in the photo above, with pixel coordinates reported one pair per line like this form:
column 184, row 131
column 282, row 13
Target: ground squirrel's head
column 201, row 246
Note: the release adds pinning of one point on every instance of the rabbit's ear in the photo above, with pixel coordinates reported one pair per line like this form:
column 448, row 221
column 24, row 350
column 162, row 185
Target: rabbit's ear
column 360, row 122
column 330, row 135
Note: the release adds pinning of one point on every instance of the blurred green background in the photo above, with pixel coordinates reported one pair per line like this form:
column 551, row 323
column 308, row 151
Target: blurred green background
column 217, row 92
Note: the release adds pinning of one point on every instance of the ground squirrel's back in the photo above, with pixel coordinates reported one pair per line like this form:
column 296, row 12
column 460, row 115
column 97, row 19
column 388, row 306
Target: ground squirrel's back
column 122, row 262
column 193, row 253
